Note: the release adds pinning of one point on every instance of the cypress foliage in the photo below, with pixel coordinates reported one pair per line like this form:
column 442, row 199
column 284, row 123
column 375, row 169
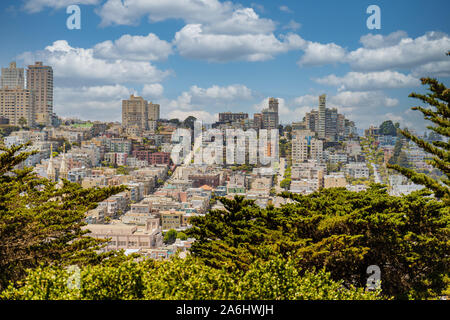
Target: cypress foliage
column 41, row 222
column 341, row 231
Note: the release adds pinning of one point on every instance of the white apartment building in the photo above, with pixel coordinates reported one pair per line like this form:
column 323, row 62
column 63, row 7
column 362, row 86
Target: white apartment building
column 337, row 157
column 357, row 170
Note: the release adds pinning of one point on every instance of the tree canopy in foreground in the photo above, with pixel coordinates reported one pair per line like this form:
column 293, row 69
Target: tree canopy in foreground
column 40, row 221
column 189, row 278
column 341, row 231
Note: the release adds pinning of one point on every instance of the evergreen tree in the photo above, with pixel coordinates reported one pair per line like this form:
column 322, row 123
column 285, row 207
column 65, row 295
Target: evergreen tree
column 342, row 231
column 397, row 150
column 439, row 113
column 170, row 236
column 387, row 128
column 189, row 122
column 403, row 160
column 40, row 221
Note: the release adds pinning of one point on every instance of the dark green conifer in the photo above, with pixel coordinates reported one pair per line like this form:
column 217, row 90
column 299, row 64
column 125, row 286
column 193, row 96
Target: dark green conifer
column 439, row 113
column 40, row 221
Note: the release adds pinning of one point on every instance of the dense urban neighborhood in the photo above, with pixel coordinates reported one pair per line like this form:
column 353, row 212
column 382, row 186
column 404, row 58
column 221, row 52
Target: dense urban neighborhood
column 223, row 158
column 322, row 150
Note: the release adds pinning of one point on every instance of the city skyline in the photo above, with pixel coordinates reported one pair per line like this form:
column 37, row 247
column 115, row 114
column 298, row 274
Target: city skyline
column 282, row 50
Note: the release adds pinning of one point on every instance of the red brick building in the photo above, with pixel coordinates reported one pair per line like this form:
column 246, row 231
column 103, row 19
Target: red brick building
column 152, row 157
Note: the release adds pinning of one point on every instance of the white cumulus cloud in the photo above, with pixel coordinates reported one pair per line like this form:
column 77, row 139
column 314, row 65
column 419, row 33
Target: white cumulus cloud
column 192, row 42
column 374, row 41
column 199, row 101
column 242, row 21
column 395, row 51
column 130, row 12
column 80, row 64
column 360, row 81
column 152, row 91
column 140, row 48
column 91, row 103
column 408, row 53
column 318, row 54
column 362, row 99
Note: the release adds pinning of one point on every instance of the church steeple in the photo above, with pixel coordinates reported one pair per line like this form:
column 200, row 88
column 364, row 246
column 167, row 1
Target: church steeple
column 63, row 171
column 51, row 174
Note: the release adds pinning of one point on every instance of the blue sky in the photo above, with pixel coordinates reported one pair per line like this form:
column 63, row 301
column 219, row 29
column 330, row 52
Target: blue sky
column 202, row 57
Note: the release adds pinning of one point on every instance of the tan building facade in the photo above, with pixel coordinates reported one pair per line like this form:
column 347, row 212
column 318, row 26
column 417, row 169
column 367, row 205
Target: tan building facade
column 153, row 111
column 137, row 112
column 128, row 236
column 172, row 219
column 305, row 147
column 334, row 181
column 17, row 104
column 40, row 81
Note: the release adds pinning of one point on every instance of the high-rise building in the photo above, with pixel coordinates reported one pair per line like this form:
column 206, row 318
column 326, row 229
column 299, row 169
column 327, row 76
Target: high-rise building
column 327, row 123
column 12, row 77
column 322, row 117
column 153, row 111
column 257, row 120
column 331, row 119
column 135, row 112
column 270, row 115
column 17, row 105
column 311, row 121
column 340, row 126
column 273, row 105
column 40, row 81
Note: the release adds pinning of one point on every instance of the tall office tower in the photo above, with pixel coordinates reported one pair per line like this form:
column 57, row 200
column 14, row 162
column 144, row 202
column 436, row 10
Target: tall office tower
column 135, row 112
column 153, row 111
column 312, row 120
column 12, row 77
column 340, row 126
column 18, row 105
column 322, row 117
column 273, row 105
column 331, row 117
column 270, row 115
column 257, row 121
column 40, row 80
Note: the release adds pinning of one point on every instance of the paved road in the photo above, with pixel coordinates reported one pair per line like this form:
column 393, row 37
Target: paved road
column 280, row 176
column 376, row 173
